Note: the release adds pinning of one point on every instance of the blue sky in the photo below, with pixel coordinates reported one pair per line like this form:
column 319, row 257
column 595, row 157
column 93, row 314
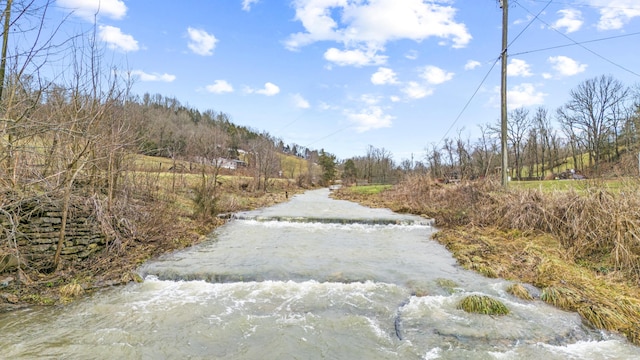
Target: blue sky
column 345, row 74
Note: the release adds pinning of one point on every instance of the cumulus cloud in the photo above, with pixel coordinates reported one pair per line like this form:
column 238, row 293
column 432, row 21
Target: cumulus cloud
column 614, row 14
column 370, row 118
column 519, row 67
column 570, row 20
column 220, row 87
column 246, row 4
column 300, row 101
column 269, row 89
column 201, row 42
column 354, row 57
column 369, row 25
column 524, row 94
column 566, row 66
column 116, row 39
column 384, row 76
column 145, row 77
column 434, row 75
column 90, row 9
column 415, row 91
column 472, row 64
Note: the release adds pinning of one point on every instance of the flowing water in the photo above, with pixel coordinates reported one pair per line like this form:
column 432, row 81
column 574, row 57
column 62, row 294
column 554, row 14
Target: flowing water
column 313, row 278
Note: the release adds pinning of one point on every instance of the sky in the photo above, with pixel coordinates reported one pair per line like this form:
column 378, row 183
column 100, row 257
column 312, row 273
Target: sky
column 343, row 75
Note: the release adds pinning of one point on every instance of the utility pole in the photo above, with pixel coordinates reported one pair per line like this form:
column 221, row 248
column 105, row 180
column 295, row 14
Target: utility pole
column 5, row 41
column 504, row 4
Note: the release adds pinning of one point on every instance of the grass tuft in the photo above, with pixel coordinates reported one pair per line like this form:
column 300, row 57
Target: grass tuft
column 71, row 290
column 520, row 292
column 483, row 305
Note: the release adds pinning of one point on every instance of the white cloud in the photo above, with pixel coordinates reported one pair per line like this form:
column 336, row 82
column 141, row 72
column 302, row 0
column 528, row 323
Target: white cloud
column 472, row 64
column 117, row 40
column 384, row 76
column 524, row 95
column 571, row 20
column 566, row 66
column 90, row 9
column 354, row 57
column 220, row 87
column 246, row 4
column 369, row 25
column 395, row 98
column 524, row 20
column 614, row 14
column 415, row 91
column 201, row 42
column 300, row 101
column 370, row 119
column 519, row 67
column 269, row 89
column 370, row 99
column 434, row 75
column 411, row 55
column 143, row 76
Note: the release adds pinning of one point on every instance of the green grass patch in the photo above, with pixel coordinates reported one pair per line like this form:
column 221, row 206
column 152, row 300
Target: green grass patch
column 369, row 189
column 483, row 305
column 564, row 185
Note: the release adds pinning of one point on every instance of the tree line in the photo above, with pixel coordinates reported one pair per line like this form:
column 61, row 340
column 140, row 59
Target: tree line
column 600, row 123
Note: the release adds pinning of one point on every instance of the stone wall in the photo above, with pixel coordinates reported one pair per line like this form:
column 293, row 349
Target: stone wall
column 38, row 231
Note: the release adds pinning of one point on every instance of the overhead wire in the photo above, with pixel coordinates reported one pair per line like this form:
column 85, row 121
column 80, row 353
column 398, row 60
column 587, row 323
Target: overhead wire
column 582, row 4
column 464, row 108
column 327, row 136
column 574, row 44
column 581, row 45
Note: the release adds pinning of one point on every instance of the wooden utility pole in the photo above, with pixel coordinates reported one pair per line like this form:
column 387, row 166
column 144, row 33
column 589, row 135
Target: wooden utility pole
column 504, row 4
column 5, row 41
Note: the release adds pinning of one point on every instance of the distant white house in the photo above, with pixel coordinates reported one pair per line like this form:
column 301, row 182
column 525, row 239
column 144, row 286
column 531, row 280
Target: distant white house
column 231, row 164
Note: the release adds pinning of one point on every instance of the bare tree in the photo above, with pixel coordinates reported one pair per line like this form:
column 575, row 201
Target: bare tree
column 592, row 109
column 266, row 160
column 208, row 146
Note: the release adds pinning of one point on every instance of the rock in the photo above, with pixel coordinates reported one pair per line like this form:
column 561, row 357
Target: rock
column 4, row 282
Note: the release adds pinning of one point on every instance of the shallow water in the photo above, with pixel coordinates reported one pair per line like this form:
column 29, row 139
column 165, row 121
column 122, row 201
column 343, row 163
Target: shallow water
column 270, row 285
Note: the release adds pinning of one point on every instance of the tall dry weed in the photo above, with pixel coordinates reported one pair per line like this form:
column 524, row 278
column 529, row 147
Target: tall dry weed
column 592, row 222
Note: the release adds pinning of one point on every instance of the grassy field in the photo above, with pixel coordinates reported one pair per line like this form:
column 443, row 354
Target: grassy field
column 369, row 189
column 578, row 185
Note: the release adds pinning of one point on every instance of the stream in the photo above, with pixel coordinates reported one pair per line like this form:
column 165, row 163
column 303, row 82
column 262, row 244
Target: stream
column 313, row 278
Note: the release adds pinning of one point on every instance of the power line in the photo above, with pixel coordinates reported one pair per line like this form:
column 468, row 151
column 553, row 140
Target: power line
column 530, row 22
column 328, row 136
column 464, row 108
column 582, row 46
column 578, row 43
column 579, row 4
